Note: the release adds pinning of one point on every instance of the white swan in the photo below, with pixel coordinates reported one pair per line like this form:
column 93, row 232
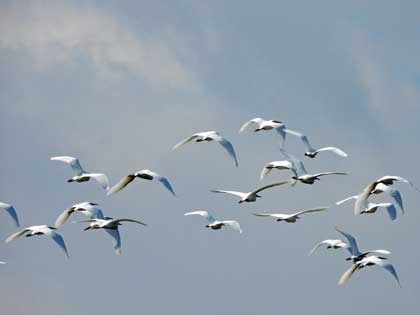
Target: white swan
column 81, row 174
column 371, row 207
column 392, row 192
column 89, row 209
column 145, row 174
column 335, row 244
column 249, row 196
column 356, row 255
column 387, row 180
column 262, row 124
column 311, row 178
column 216, row 224
column 11, row 211
column 280, row 165
column 40, row 230
column 312, row 152
column 210, row 136
column 369, row 261
column 300, row 173
column 390, row 208
column 110, row 225
column 290, row 218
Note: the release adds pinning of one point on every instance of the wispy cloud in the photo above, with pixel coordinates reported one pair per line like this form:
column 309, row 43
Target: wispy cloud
column 56, row 32
column 385, row 91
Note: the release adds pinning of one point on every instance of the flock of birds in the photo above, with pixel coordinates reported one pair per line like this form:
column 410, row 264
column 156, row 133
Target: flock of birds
column 97, row 220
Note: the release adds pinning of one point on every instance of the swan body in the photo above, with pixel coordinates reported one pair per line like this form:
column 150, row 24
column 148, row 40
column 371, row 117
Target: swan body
column 290, row 218
column 249, row 196
column 40, row 230
column 208, row 136
column 330, row 243
column 110, row 225
column 369, row 261
column 263, row 124
column 216, row 224
column 382, row 182
column 144, row 174
column 81, row 175
column 89, row 209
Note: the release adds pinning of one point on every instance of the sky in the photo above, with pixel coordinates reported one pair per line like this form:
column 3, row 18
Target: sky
column 118, row 83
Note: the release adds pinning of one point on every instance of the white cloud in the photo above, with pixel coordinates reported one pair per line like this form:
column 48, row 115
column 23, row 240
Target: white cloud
column 56, row 32
column 385, row 92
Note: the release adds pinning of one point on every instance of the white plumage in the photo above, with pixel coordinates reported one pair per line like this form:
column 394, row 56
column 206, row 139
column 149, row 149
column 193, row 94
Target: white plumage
column 249, row 196
column 210, row 136
column 144, row 174
column 81, row 174
column 40, row 230
column 216, row 224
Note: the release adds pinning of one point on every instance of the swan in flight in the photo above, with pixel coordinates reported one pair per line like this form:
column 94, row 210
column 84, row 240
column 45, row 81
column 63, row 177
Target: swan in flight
column 40, row 230
column 392, row 192
column 335, row 244
column 290, row 218
column 210, row 136
column 262, row 124
column 249, row 196
column 371, row 207
column 387, row 180
column 11, row 211
column 291, row 163
column 356, row 255
column 390, row 208
column 369, row 261
column 312, row 152
column 110, row 225
column 89, row 209
column 145, row 174
column 216, row 224
column 300, row 173
column 81, row 174
column 311, row 178
column 281, row 165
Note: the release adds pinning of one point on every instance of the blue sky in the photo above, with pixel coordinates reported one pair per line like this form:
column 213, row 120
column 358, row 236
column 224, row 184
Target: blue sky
column 117, row 84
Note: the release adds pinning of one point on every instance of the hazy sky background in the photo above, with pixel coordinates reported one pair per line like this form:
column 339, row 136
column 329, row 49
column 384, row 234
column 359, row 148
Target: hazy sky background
column 118, row 83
